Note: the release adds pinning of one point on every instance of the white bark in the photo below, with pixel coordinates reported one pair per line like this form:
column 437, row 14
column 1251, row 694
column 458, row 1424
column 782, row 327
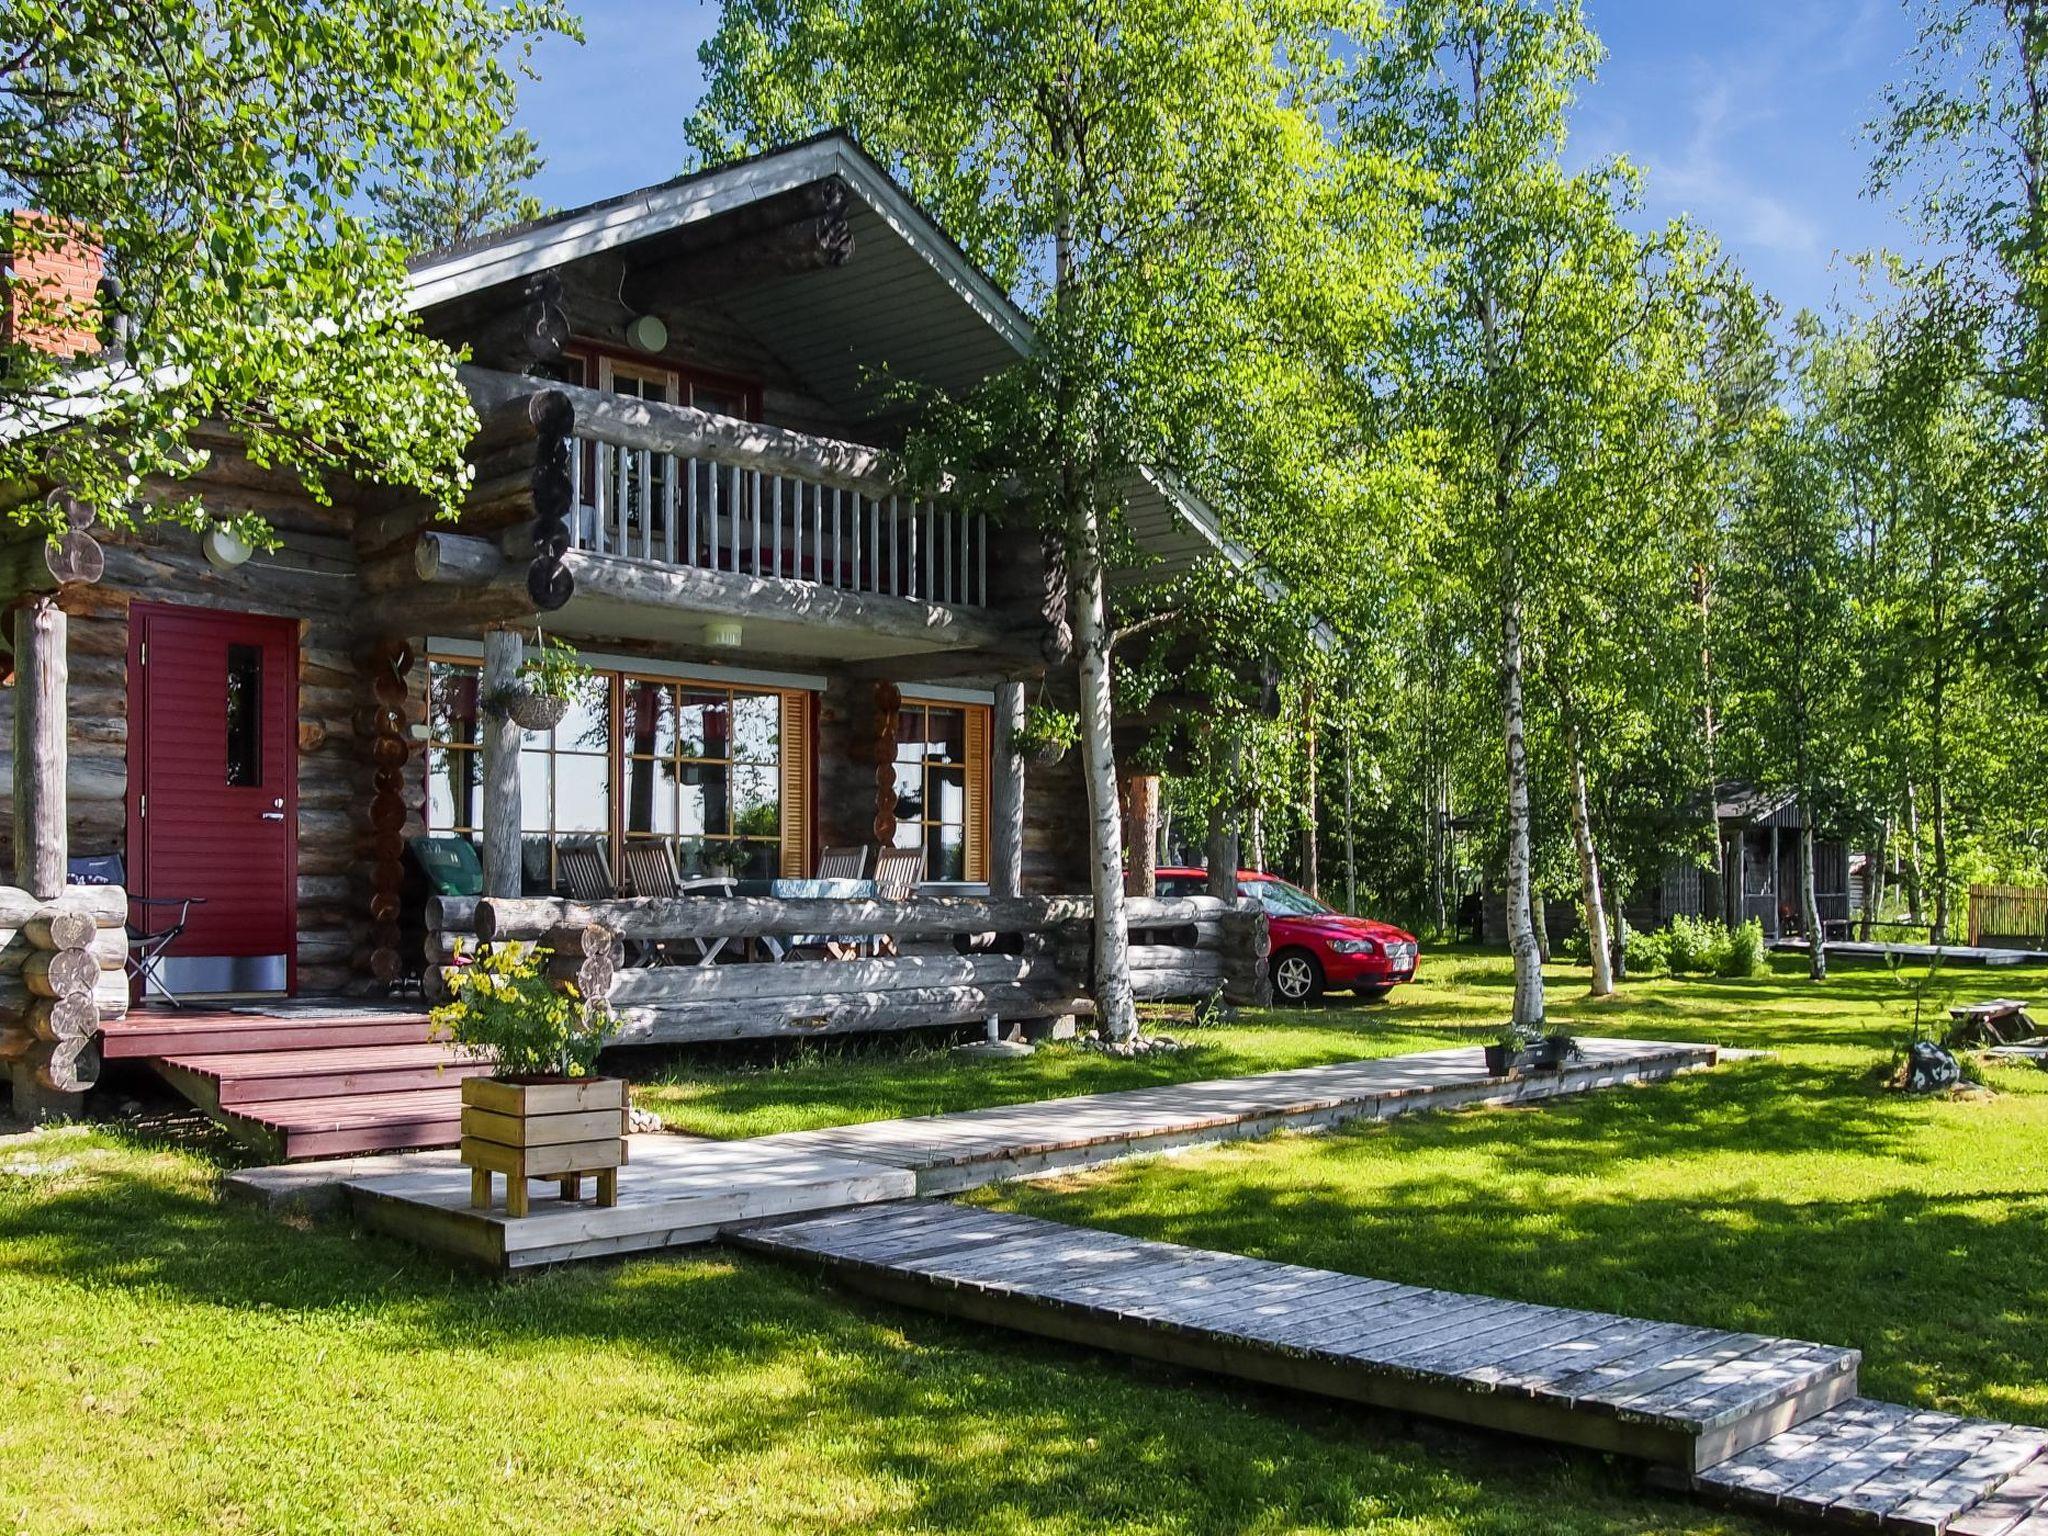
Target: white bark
column 1809, row 901
column 1528, row 1010
column 1589, row 869
column 1116, row 1010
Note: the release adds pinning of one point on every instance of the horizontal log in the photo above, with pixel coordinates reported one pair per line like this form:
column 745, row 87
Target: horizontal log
column 69, row 1066
column 753, row 917
column 543, row 413
column 456, row 557
column 1159, row 957
column 62, row 928
column 109, row 947
column 799, row 979
column 843, row 1012
column 62, row 1018
column 107, row 903
column 60, row 972
column 690, row 433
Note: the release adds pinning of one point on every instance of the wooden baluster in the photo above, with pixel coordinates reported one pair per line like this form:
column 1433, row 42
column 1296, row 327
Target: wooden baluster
column 981, row 545
column 672, row 467
column 838, row 538
column 777, row 514
column 930, row 512
column 601, row 498
column 576, row 534
column 732, row 512
column 646, row 499
column 817, row 498
column 690, row 512
column 895, row 573
column 754, row 496
column 946, row 557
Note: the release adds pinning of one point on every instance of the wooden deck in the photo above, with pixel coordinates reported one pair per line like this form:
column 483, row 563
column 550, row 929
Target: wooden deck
column 1921, row 954
column 949, row 1153
column 1739, row 1417
column 673, row 1192
column 313, row 1077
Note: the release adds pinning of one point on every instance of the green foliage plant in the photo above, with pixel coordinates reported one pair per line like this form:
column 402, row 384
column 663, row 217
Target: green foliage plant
column 505, row 1005
column 553, row 669
column 1047, row 732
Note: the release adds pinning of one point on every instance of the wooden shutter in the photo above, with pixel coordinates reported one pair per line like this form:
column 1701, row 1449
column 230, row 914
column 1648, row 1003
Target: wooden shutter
column 976, row 862
column 796, row 785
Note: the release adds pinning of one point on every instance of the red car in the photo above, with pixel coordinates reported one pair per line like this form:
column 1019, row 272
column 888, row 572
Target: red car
column 1315, row 947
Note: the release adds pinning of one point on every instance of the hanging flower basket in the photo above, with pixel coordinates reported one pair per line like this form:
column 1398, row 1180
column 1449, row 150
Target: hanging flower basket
column 532, row 711
column 1046, row 735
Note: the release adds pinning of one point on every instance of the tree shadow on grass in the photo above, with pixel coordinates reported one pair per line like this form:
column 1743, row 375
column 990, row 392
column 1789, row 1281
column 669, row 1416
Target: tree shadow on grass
column 622, row 1382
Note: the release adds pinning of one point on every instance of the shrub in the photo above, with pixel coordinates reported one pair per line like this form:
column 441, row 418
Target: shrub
column 1698, row 946
column 1648, row 952
column 1746, row 954
column 1576, row 946
column 504, row 1004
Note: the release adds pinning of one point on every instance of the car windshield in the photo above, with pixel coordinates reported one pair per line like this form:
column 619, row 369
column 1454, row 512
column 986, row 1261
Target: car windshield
column 1281, row 899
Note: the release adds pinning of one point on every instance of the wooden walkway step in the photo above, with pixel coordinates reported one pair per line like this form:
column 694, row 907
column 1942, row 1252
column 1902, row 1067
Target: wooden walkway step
column 156, row 1031
column 1684, row 1397
column 1901, row 1469
column 954, row 1152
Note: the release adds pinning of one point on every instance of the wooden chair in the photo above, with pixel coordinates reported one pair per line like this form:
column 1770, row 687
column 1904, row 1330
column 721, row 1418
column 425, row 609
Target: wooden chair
column 585, row 866
column 843, row 863
column 898, row 873
column 651, row 869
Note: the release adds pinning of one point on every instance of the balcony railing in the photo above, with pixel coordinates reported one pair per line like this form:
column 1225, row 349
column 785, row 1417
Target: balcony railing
column 727, row 511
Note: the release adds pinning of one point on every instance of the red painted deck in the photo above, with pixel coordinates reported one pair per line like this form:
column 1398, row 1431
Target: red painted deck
column 307, row 1078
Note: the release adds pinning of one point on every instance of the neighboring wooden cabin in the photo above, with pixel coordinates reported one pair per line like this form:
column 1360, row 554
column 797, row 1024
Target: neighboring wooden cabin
column 1760, row 854
column 687, row 396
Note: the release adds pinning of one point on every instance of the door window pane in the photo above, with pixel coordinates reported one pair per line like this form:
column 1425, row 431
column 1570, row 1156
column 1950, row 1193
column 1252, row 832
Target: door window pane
column 245, row 715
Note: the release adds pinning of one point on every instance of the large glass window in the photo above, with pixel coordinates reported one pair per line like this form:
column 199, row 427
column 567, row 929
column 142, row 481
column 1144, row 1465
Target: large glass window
column 932, row 770
column 700, row 768
column 704, row 774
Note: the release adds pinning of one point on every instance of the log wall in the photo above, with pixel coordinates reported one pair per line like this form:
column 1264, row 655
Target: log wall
column 949, row 960
column 62, row 973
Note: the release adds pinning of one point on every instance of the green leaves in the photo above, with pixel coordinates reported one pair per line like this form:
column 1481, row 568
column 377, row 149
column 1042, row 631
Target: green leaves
column 219, row 151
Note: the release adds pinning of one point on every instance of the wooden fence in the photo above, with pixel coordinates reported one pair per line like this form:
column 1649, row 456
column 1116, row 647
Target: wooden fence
column 2009, row 913
column 908, row 964
column 62, row 974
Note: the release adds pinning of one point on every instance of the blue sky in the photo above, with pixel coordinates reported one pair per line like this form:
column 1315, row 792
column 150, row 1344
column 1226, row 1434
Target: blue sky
column 1745, row 114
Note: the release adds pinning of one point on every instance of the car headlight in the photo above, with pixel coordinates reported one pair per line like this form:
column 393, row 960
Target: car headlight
column 1353, row 947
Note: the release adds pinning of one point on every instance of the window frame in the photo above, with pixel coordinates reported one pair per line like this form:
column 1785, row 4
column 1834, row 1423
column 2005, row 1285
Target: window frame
column 976, row 732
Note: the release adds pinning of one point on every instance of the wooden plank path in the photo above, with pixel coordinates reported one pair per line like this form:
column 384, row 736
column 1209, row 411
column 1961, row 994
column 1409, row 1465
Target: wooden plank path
column 1683, row 1397
column 1739, row 1417
column 954, row 1152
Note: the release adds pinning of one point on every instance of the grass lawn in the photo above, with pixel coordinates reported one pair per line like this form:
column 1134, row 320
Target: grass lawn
column 177, row 1364
column 1792, row 1195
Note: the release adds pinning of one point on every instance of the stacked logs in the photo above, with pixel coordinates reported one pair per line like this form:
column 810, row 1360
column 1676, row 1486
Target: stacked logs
column 585, row 956
column 382, row 726
column 62, row 975
column 548, row 581
column 1226, row 952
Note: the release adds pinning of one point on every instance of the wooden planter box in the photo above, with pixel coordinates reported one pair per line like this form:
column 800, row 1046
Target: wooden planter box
column 557, row 1128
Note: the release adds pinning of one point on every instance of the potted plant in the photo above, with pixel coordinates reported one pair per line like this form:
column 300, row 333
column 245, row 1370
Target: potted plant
column 541, row 1114
column 1559, row 1045
column 548, row 682
column 1046, row 734
column 1504, row 1056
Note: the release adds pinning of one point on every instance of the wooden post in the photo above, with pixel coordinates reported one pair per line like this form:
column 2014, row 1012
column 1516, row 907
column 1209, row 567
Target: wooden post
column 1006, row 795
column 499, row 816
column 41, row 756
column 1141, row 877
column 1777, row 905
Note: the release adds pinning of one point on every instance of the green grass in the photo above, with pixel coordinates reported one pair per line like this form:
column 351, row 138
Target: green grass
column 1793, row 1195
column 178, row 1364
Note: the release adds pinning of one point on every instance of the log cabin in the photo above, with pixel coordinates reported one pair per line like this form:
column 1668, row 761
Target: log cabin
column 688, row 397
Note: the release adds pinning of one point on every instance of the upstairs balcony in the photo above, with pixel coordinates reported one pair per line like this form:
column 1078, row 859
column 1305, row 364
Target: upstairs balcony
column 643, row 520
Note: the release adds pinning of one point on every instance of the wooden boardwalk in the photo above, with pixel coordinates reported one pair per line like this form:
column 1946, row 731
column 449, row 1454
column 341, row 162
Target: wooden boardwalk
column 1684, row 1397
column 950, row 1153
column 1739, row 1417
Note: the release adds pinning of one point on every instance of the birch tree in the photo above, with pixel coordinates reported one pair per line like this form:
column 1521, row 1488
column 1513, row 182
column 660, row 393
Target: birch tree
column 1535, row 285
column 1152, row 182
column 217, row 153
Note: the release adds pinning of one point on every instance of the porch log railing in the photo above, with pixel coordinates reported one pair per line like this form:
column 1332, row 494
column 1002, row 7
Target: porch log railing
column 959, row 960
column 673, row 485
column 63, row 974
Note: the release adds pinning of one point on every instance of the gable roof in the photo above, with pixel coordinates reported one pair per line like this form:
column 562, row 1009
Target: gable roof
column 911, row 300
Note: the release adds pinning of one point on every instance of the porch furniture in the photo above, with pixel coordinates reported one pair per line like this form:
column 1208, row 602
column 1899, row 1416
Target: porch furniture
column 438, row 864
column 2001, row 1021
column 898, row 872
column 651, row 871
column 147, row 950
column 824, row 888
column 843, row 863
column 586, row 868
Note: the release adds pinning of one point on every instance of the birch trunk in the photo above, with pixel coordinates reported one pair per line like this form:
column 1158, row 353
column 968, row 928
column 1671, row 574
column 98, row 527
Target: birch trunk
column 1938, row 793
column 1913, row 884
column 1528, row 1008
column 1117, row 1014
column 1809, row 900
column 1589, row 870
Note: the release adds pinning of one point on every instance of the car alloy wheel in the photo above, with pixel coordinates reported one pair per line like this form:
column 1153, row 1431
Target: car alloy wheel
column 1295, row 978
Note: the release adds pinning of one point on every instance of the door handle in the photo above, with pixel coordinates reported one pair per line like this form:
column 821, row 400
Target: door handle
column 273, row 815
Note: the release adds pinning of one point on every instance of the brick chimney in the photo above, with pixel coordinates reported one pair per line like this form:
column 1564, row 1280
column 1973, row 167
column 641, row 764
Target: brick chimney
column 52, row 281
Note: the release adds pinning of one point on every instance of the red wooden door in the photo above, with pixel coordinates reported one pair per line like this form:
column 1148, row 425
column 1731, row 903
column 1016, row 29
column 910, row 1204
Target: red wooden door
column 213, row 790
